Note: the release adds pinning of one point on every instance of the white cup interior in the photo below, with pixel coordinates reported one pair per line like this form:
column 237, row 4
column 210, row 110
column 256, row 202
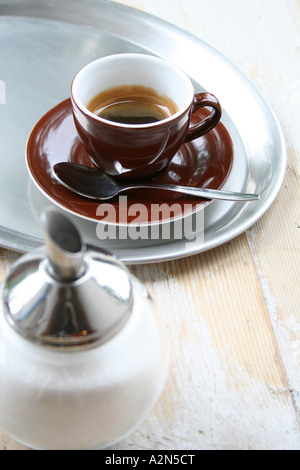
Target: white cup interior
column 132, row 69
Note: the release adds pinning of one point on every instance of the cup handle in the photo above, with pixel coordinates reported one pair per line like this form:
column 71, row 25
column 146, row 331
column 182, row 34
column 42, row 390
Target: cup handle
column 202, row 100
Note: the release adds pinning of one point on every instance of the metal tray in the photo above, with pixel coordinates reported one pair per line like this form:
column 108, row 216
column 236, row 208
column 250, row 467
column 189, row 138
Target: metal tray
column 43, row 45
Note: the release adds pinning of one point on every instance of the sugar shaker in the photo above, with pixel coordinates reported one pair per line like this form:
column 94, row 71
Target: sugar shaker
column 84, row 354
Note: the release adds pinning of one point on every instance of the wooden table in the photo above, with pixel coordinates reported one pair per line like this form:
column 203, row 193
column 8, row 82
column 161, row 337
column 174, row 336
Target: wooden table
column 232, row 313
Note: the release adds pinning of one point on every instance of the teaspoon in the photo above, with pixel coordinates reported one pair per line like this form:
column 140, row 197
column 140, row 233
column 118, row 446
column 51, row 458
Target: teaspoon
column 94, row 184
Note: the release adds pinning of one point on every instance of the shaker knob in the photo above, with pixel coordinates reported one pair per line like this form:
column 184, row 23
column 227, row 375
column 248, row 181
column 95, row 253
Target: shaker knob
column 64, row 246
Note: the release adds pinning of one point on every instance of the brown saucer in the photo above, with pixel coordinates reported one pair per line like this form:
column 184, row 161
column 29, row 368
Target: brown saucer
column 205, row 162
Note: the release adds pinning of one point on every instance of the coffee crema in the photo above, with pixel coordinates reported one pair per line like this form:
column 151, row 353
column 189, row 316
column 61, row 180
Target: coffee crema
column 132, row 104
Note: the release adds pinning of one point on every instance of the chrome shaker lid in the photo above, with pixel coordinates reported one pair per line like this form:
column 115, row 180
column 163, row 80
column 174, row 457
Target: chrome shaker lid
column 67, row 294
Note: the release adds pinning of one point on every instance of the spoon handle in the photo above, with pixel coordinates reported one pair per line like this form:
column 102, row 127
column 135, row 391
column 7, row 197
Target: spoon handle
column 205, row 193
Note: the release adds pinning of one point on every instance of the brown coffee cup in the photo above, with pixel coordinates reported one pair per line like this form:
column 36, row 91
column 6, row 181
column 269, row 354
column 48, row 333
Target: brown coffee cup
column 124, row 144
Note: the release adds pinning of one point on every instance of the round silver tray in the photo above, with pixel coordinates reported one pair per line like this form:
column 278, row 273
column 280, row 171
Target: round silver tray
column 42, row 48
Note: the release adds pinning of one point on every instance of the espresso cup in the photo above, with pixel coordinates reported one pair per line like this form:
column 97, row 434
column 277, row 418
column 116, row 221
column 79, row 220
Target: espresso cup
column 135, row 147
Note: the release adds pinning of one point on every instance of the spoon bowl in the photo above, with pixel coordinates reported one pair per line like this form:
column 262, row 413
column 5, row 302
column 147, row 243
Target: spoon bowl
column 95, row 184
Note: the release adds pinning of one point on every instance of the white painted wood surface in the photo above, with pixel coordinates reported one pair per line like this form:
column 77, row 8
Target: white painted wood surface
column 232, row 314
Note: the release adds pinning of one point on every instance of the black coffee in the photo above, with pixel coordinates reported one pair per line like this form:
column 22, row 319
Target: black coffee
column 132, row 104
